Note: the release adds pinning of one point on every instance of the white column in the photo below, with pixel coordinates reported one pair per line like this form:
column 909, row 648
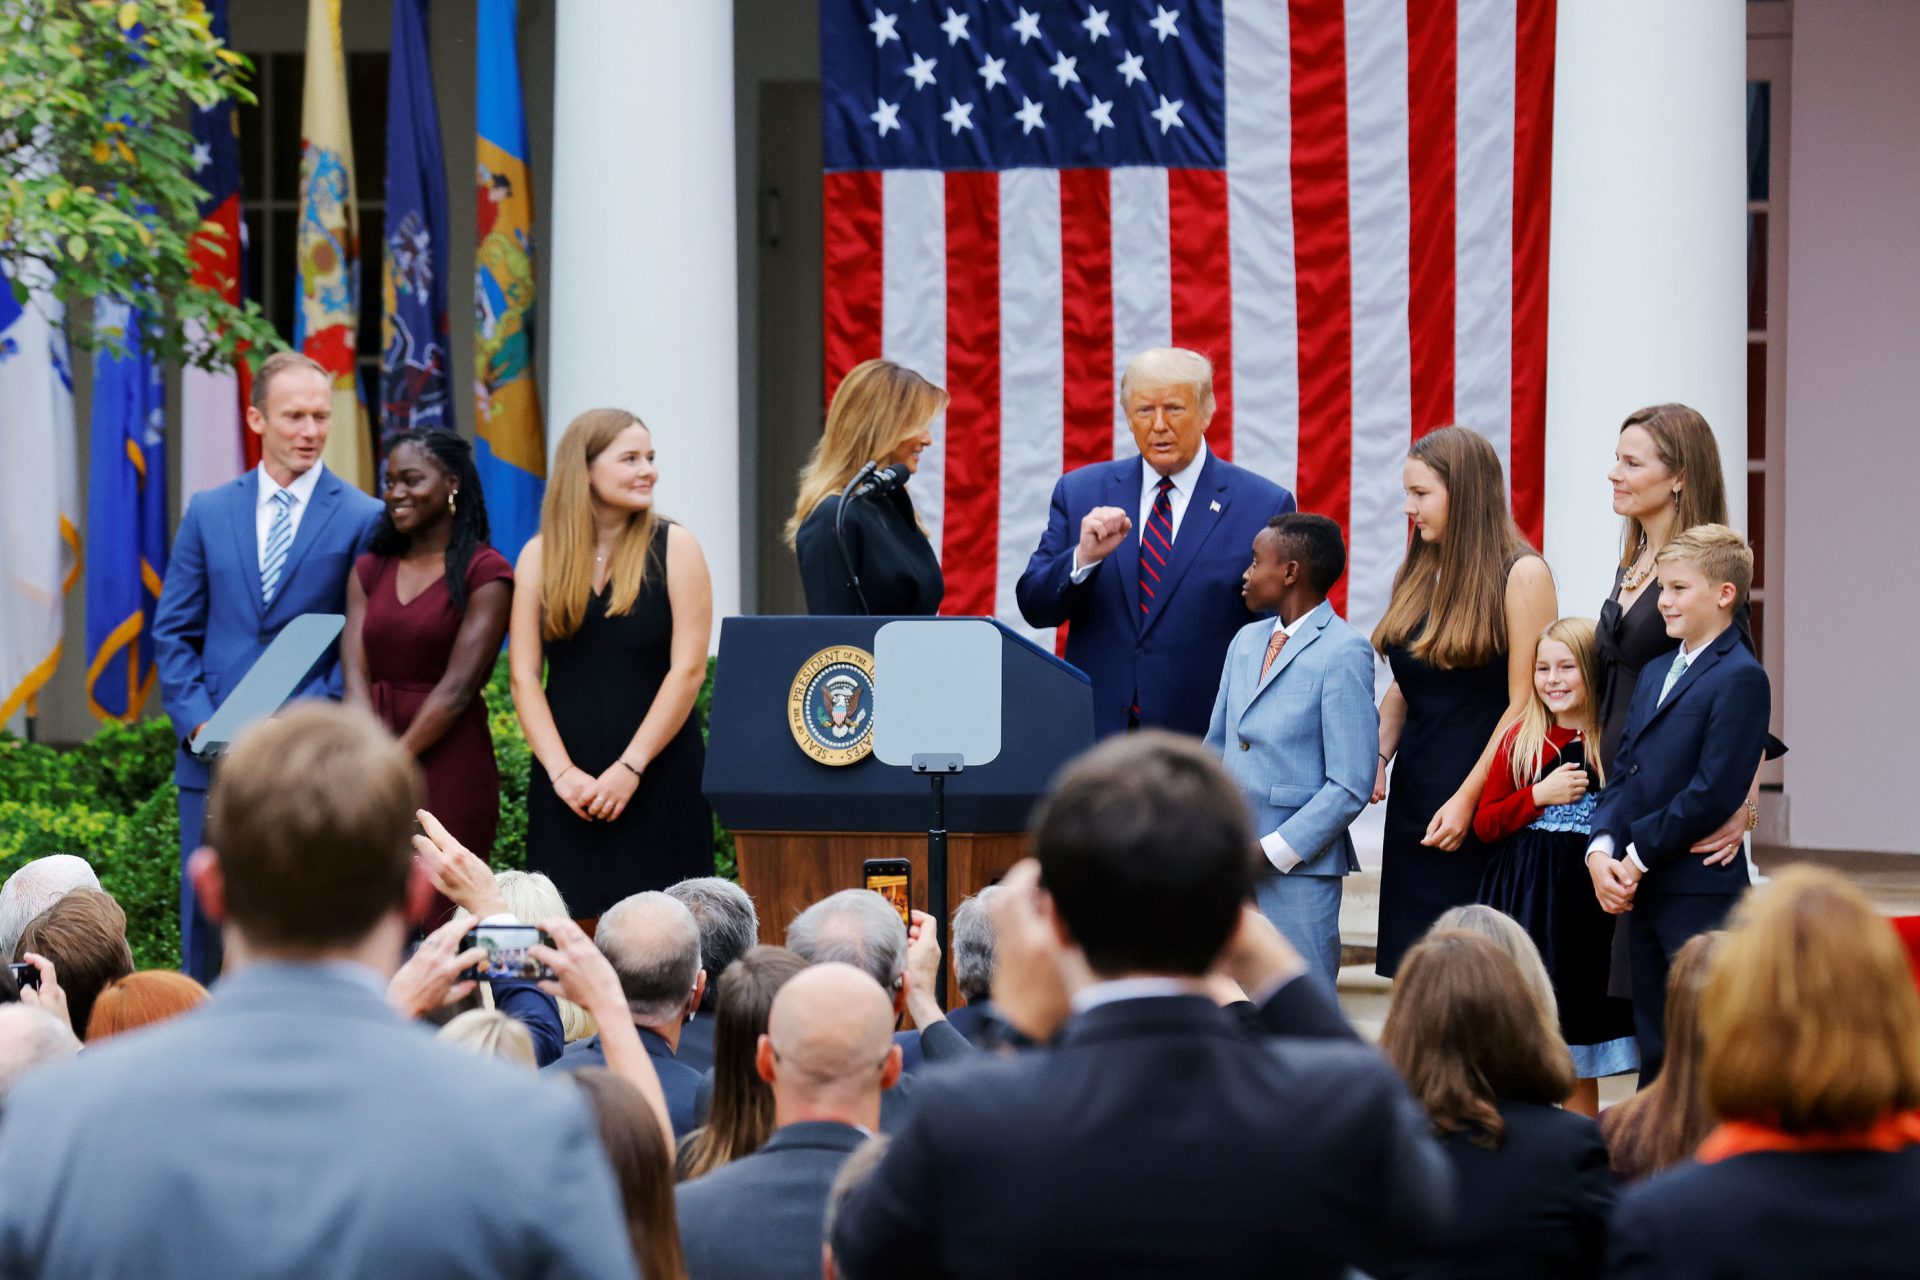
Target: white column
column 1647, row 286
column 642, row 308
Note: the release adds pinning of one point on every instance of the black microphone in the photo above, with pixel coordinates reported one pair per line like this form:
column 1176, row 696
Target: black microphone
column 885, row 480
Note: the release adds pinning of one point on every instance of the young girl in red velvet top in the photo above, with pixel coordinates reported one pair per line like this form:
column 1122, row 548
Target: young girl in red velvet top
column 1536, row 810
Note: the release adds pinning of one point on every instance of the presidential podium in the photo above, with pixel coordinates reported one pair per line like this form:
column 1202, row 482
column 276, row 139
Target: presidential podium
column 790, row 769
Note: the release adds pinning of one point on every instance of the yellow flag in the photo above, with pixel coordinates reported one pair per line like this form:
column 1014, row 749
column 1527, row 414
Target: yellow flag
column 327, row 321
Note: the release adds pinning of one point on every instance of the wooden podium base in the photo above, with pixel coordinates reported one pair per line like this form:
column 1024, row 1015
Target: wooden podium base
column 787, row 871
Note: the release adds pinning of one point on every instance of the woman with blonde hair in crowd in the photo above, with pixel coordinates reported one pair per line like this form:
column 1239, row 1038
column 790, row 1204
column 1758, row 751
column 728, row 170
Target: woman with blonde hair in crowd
column 740, row 1119
column 1532, row 1190
column 1661, row 1125
column 615, row 606
column 1467, row 601
column 141, row 999
column 1504, row 932
column 488, row 1033
column 871, row 555
column 1810, row 1033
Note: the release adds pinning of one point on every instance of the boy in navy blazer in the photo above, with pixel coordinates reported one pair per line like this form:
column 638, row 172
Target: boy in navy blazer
column 251, row 556
column 1296, row 726
column 1693, row 738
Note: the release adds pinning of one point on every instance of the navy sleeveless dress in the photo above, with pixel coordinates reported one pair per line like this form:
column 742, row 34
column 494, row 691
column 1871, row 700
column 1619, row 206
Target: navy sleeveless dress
column 600, row 682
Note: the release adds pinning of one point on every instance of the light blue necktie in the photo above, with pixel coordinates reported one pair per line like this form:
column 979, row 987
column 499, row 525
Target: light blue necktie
column 279, row 540
column 1673, row 674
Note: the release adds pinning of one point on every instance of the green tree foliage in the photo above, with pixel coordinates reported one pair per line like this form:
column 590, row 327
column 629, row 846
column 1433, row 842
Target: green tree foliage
column 97, row 194
column 112, row 801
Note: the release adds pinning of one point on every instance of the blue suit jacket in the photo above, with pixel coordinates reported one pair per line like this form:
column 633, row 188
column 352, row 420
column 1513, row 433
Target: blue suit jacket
column 1301, row 744
column 1685, row 764
column 295, row 1126
column 211, row 627
column 678, row 1081
column 781, row 1190
column 1169, row 663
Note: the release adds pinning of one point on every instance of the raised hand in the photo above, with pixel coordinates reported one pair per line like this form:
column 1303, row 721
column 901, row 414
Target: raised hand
column 1101, row 530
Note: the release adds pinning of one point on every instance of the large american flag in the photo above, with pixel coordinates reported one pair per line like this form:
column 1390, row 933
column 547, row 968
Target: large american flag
column 1344, row 205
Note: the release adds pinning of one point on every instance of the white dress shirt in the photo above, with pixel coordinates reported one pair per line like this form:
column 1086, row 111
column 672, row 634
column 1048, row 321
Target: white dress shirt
column 1115, row 990
column 1184, row 481
column 1603, row 843
column 1278, row 851
column 302, row 491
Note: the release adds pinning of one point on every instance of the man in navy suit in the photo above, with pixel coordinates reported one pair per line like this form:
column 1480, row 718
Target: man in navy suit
column 250, row 557
column 1154, row 1136
column 1142, row 556
column 827, row 1055
column 1693, row 740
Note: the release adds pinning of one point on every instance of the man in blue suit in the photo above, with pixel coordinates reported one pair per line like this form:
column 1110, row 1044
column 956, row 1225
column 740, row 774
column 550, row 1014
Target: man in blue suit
column 1693, row 740
column 1296, row 726
column 1142, row 556
column 251, row 556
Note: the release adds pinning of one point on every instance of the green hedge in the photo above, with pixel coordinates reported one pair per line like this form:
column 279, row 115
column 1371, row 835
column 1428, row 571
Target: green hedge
column 112, row 801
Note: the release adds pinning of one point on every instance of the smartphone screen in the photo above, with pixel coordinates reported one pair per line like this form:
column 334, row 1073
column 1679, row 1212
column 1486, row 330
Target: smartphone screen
column 508, row 956
column 891, row 878
column 25, row 974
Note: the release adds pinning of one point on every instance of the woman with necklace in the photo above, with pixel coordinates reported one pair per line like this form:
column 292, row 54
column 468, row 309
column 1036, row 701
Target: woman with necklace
column 1666, row 479
column 426, row 611
column 616, row 607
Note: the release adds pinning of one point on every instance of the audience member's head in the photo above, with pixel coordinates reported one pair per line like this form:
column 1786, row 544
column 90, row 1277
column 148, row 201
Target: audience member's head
column 828, row 1051
column 740, row 1120
column 531, row 896
column 1809, row 1020
column 1147, row 852
column 1504, row 932
column 1466, row 1035
column 30, row 1038
column 853, row 1174
column 488, row 1033
column 654, row 945
column 35, row 887
column 308, row 870
column 642, row 1168
column 84, row 933
column 1661, row 1125
column 973, row 946
column 856, row 927
column 728, row 925
column 141, row 999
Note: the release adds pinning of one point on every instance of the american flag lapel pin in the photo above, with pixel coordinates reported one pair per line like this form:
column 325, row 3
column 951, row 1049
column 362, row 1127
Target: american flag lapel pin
column 1214, row 507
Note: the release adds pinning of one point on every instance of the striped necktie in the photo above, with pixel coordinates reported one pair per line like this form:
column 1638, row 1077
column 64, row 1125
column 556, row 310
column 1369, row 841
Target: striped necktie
column 1274, row 646
column 1156, row 544
column 279, row 540
column 1674, row 673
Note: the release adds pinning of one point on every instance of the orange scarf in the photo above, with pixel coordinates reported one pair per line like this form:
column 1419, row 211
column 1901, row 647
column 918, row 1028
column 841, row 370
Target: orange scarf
column 1894, row 1131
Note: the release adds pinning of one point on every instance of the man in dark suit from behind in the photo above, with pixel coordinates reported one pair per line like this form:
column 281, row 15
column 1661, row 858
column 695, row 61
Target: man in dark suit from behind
column 1155, row 1137
column 729, row 928
column 295, row 1125
column 653, row 944
column 828, row 1055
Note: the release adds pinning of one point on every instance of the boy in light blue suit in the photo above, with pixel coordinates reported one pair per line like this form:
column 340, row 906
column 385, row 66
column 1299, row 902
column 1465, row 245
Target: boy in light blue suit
column 1296, row 725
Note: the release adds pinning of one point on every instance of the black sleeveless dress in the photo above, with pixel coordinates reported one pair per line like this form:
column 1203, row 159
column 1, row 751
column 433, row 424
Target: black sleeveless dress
column 600, row 683
column 1450, row 716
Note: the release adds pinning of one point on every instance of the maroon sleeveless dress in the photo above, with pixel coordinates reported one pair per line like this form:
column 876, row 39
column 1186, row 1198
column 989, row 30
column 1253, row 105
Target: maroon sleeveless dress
column 408, row 647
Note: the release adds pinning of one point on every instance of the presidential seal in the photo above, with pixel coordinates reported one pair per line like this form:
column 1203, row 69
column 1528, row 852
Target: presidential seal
column 830, row 706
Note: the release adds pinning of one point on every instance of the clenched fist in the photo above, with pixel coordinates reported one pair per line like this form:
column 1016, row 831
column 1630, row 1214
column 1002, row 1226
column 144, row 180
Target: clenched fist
column 1103, row 529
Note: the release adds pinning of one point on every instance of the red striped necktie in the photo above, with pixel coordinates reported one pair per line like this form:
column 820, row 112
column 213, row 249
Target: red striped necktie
column 1156, row 544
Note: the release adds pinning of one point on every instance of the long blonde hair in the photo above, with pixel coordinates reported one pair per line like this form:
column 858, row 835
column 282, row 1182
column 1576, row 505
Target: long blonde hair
column 566, row 529
column 1527, row 741
column 1449, row 605
column 878, row 406
column 1686, row 447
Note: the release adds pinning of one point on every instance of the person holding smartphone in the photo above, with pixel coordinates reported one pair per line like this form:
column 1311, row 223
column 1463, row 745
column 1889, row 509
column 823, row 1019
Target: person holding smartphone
column 1536, row 811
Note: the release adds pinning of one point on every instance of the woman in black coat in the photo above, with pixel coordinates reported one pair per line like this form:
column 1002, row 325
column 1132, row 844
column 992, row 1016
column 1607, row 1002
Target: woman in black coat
column 1532, row 1190
column 1810, row 1031
column 877, row 560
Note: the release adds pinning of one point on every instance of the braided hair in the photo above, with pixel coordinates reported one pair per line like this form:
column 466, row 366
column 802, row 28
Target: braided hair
column 470, row 531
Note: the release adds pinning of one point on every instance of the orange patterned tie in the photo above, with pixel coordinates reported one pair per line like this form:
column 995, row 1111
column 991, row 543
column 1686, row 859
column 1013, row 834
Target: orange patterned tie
column 1274, row 646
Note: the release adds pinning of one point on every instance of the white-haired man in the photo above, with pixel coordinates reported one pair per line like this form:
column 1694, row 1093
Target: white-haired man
column 35, row 887
column 1142, row 556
